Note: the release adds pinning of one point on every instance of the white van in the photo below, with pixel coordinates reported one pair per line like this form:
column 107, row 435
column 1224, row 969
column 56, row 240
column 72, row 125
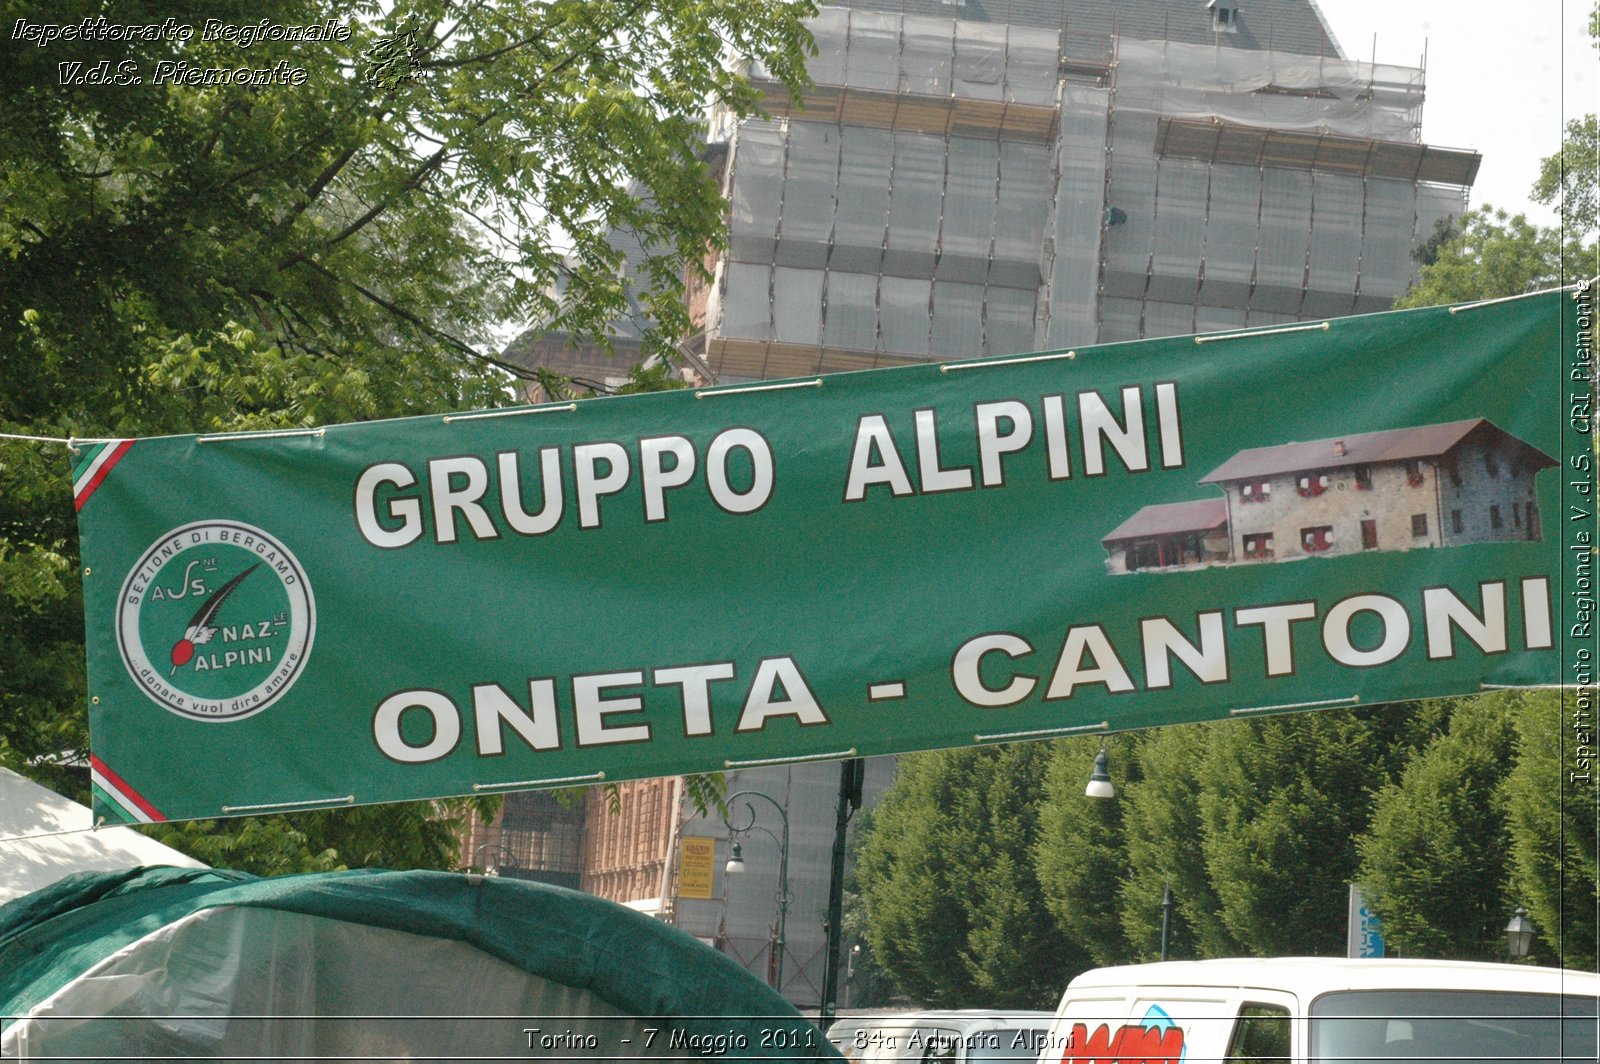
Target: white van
column 953, row 1036
column 1325, row 1010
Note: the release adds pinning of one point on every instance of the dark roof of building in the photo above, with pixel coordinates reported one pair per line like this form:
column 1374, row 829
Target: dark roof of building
column 1366, row 448
column 1172, row 519
column 1278, row 25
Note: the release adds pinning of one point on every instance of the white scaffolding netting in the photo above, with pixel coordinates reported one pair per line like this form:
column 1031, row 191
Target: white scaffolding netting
column 954, row 188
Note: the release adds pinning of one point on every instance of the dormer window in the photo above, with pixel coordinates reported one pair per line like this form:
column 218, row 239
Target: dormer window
column 1224, row 16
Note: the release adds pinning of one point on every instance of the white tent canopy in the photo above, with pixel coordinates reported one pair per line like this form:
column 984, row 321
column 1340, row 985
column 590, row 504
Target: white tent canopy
column 45, row 837
column 169, row 963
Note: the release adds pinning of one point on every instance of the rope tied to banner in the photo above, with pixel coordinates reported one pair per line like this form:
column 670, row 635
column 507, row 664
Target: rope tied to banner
column 71, row 443
column 55, row 834
column 36, row 439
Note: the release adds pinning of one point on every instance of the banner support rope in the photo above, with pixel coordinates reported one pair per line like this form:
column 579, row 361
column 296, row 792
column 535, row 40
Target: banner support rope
column 1040, row 733
column 1211, row 338
column 712, row 393
column 67, row 443
column 564, row 408
column 270, row 435
column 1577, row 288
column 1351, row 701
column 347, row 799
column 947, row 367
column 764, row 762
column 54, row 834
column 593, row 777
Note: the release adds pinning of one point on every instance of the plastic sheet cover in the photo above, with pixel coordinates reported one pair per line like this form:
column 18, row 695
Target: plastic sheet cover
column 1279, row 90
column 882, row 51
column 178, row 963
column 1336, row 231
column 757, row 191
column 1069, row 237
column 262, row 983
column 1386, row 265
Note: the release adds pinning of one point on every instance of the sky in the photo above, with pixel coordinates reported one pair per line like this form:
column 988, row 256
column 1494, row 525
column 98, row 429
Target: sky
column 1503, row 77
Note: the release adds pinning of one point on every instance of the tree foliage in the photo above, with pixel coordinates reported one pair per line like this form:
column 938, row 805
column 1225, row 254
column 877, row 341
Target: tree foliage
column 188, row 257
column 1553, row 817
column 1486, row 254
column 948, row 881
column 1282, row 802
column 1494, row 254
column 1433, row 862
column 1567, row 179
column 1080, row 852
column 1165, row 840
column 1449, row 813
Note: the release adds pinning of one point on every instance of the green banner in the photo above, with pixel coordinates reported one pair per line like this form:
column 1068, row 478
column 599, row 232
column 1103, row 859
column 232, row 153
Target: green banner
column 1317, row 515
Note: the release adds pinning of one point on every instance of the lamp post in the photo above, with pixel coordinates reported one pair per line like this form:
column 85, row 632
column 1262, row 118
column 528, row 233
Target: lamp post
column 1100, row 779
column 852, row 776
column 736, row 864
column 1166, row 917
column 490, row 869
column 1519, row 934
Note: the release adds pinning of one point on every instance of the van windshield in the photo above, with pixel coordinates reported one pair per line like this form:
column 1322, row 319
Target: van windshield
column 1389, row 1026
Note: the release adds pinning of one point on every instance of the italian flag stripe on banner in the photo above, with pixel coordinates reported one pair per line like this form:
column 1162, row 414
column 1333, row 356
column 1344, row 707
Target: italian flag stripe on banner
column 92, row 466
column 115, row 793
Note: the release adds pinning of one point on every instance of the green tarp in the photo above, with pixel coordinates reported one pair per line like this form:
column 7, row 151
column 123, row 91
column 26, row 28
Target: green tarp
column 437, row 945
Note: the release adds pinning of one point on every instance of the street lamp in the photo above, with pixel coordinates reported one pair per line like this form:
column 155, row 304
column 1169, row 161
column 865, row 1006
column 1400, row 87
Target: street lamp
column 1100, row 778
column 1519, row 934
column 490, row 868
column 1166, row 917
column 736, row 865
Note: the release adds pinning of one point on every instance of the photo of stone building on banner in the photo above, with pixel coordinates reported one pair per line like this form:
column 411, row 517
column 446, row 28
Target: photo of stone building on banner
column 1435, row 486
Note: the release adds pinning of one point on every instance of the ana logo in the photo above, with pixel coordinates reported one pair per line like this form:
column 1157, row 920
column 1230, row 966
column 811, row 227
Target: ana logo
column 216, row 620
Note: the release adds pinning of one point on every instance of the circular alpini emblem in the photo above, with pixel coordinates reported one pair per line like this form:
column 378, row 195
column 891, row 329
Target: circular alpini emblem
column 216, row 620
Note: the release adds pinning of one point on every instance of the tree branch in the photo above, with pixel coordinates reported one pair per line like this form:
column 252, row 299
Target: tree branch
column 319, row 185
column 405, row 315
column 484, row 57
column 434, row 161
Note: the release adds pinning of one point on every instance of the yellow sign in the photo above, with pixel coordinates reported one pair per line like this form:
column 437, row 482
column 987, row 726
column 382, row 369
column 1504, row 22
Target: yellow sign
column 694, row 870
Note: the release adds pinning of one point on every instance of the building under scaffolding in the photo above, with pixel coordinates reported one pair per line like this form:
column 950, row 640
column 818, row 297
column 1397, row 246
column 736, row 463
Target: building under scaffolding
column 971, row 177
column 952, row 187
